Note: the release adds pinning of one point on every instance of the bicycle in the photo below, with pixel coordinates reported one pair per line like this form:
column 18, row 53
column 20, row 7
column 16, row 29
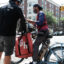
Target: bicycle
column 52, row 51
column 56, row 51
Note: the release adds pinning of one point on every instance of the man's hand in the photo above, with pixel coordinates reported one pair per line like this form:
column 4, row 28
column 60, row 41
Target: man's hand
column 30, row 21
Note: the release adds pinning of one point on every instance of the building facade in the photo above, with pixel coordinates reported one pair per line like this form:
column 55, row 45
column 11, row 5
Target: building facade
column 24, row 7
column 27, row 7
column 49, row 5
column 30, row 14
column 62, row 13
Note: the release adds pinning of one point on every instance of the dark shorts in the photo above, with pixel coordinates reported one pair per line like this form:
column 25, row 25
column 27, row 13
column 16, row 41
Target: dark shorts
column 7, row 44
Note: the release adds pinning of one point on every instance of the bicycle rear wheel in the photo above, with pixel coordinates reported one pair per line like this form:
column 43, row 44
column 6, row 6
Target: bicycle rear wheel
column 55, row 55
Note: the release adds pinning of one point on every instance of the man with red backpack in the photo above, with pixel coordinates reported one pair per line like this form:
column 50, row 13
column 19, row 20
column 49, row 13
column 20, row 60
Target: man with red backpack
column 42, row 27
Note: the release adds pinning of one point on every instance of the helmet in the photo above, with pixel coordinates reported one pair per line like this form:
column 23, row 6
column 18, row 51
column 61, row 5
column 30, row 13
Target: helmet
column 20, row 1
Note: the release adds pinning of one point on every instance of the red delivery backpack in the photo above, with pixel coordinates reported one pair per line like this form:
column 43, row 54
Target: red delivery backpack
column 24, row 46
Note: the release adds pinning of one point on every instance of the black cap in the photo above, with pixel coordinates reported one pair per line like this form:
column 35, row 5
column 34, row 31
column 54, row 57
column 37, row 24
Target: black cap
column 37, row 5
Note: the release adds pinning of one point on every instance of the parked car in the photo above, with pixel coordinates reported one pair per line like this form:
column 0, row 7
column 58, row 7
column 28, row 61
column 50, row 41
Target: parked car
column 58, row 33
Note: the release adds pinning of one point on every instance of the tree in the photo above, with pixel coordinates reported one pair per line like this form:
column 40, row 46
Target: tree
column 50, row 18
column 62, row 22
column 52, row 22
column 62, row 19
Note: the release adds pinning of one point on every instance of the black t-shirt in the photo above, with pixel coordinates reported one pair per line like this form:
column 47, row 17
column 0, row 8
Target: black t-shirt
column 9, row 20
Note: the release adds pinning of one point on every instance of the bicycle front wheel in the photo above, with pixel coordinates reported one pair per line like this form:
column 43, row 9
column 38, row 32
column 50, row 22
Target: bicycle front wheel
column 55, row 55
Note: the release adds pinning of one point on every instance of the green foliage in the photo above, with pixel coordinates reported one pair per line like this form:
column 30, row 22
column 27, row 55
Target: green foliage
column 62, row 19
column 50, row 18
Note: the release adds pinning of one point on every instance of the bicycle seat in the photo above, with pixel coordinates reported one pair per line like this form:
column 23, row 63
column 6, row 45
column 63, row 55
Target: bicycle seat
column 41, row 33
column 49, row 36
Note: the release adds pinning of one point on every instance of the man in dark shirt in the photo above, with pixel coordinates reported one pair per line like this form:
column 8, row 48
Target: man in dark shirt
column 8, row 21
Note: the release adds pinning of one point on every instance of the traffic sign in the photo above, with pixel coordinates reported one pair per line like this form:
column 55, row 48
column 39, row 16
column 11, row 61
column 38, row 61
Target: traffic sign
column 61, row 8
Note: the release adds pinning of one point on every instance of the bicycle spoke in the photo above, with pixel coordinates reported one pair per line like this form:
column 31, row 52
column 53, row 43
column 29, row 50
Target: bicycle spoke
column 55, row 55
column 62, row 50
column 50, row 62
column 53, row 60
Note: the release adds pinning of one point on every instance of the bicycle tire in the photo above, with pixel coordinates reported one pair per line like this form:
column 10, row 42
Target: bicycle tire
column 47, row 56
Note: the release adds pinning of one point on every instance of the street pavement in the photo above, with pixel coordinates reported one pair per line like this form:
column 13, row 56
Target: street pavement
column 53, row 40
column 16, row 59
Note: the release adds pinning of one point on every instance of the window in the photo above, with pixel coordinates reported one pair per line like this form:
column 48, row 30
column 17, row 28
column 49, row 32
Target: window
column 45, row 2
column 52, row 11
column 56, row 9
column 42, row 3
column 45, row 7
column 50, row 6
column 30, row 4
column 34, row 18
column 22, row 2
column 30, row 17
column 29, row 11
